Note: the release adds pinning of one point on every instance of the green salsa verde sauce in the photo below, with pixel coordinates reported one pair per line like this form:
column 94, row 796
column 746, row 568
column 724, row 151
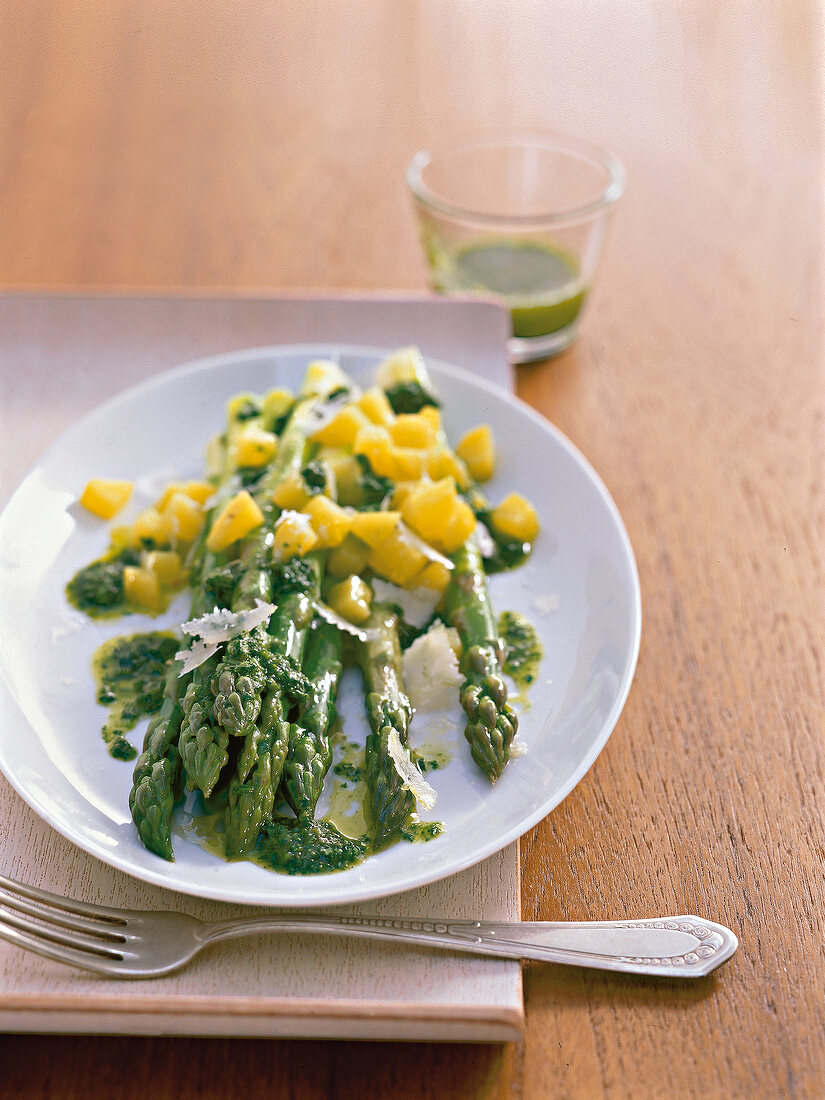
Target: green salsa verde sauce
column 522, row 648
column 541, row 285
column 130, row 674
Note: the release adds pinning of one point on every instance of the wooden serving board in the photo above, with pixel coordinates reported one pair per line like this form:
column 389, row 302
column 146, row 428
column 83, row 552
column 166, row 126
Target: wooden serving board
column 59, row 357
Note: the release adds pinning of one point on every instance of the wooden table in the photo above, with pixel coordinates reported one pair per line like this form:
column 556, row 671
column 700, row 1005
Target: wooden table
column 249, row 146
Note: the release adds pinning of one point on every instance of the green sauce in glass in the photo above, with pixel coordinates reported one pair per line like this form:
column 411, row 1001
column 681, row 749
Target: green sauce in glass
column 541, row 285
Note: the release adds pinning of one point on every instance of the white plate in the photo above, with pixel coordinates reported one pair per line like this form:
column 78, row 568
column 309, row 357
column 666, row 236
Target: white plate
column 580, row 588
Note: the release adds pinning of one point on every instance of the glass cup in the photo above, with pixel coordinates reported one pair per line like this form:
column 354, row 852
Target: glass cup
column 520, row 218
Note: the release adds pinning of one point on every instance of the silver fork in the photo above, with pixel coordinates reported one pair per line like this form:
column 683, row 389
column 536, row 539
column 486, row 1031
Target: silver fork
column 128, row 943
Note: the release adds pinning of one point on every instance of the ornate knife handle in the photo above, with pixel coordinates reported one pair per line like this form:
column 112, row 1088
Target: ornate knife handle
column 682, row 947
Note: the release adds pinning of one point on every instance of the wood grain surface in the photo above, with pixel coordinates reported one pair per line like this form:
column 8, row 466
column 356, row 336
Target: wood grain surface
column 240, row 145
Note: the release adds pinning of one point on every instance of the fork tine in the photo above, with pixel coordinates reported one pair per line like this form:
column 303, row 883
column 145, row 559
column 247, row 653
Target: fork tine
column 97, row 964
column 106, row 929
column 56, row 935
column 67, row 905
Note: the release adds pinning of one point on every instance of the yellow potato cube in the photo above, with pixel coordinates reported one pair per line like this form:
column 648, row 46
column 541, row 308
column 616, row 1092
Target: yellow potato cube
column 294, row 536
column 237, row 518
column 199, row 491
column 373, row 527
column 432, row 415
column 348, row 557
column 407, row 463
column 255, row 446
column 183, row 517
column 412, row 430
column 241, row 405
column 166, row 565
column 351, row 598
column 459, row 527
column 330, row 521
column 343, row 428
column 141, row 587
column 397, row 560
column 104, row 497
column 516, row 518
column 444, row 463
column 477, row 450
column 375, row 406
column 291, row 492
column 434, row 575
column 150, row 526
column 276, row 404
column 322, row 378
column 123, row 537
column 374, row 442
column 428, row 506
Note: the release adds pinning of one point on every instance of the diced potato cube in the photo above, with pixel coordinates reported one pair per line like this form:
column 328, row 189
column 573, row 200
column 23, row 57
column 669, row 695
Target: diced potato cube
column 477, row 450
column 322, row 378
column 348, row 557
column 291, row 492
column 351, row 598
column 183, row 517
column 329, row 521
column 407, row 463
column 374, row 527
column 141, row 587
column 375, row 442
column 516, row 518
column 150, row 526
column 276, row 404
column 428, row 506
column 166, row 565
column 199, row 491
column 444, row 463
column 412, row 430
column 401, row 491
column 242, row 405
column 396, row 559
column 294, row 536
column 459, row 527
column 255, row 446
column 432, row 415
column 123, row 537
column 343, row 428
column 237, row 518
column 434, row 575
column 104, row 497
column 436, row 513
column 375, row 406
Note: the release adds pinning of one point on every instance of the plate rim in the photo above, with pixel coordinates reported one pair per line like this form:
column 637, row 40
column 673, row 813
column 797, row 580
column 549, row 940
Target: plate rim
column 330, row 349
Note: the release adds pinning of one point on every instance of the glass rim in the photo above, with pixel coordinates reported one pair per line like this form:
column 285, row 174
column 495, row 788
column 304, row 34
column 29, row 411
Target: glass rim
column 545, row 139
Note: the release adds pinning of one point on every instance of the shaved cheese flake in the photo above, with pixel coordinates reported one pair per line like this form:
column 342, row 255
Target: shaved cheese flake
column 430, row 671
column 420, row 544
column 417, row 604
column 485, row 541
column 411, row 777
column 222, row 625
column 334, row 619
column 199, row 652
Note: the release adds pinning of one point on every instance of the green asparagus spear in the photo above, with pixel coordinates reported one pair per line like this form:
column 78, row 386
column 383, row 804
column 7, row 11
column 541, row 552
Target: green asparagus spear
column 492, row 722
column 252, row 789
column 388, row 707
column 156, row 784
column 310, row 753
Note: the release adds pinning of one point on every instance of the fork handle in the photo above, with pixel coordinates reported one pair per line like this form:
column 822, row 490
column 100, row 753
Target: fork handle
column 683, row 947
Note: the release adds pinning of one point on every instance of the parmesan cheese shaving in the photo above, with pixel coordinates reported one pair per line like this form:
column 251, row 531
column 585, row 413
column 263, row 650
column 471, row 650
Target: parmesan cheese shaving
column 430, row 671
column 411, row 777
column 199, row 652
column 417, row 604
column 222, row 625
